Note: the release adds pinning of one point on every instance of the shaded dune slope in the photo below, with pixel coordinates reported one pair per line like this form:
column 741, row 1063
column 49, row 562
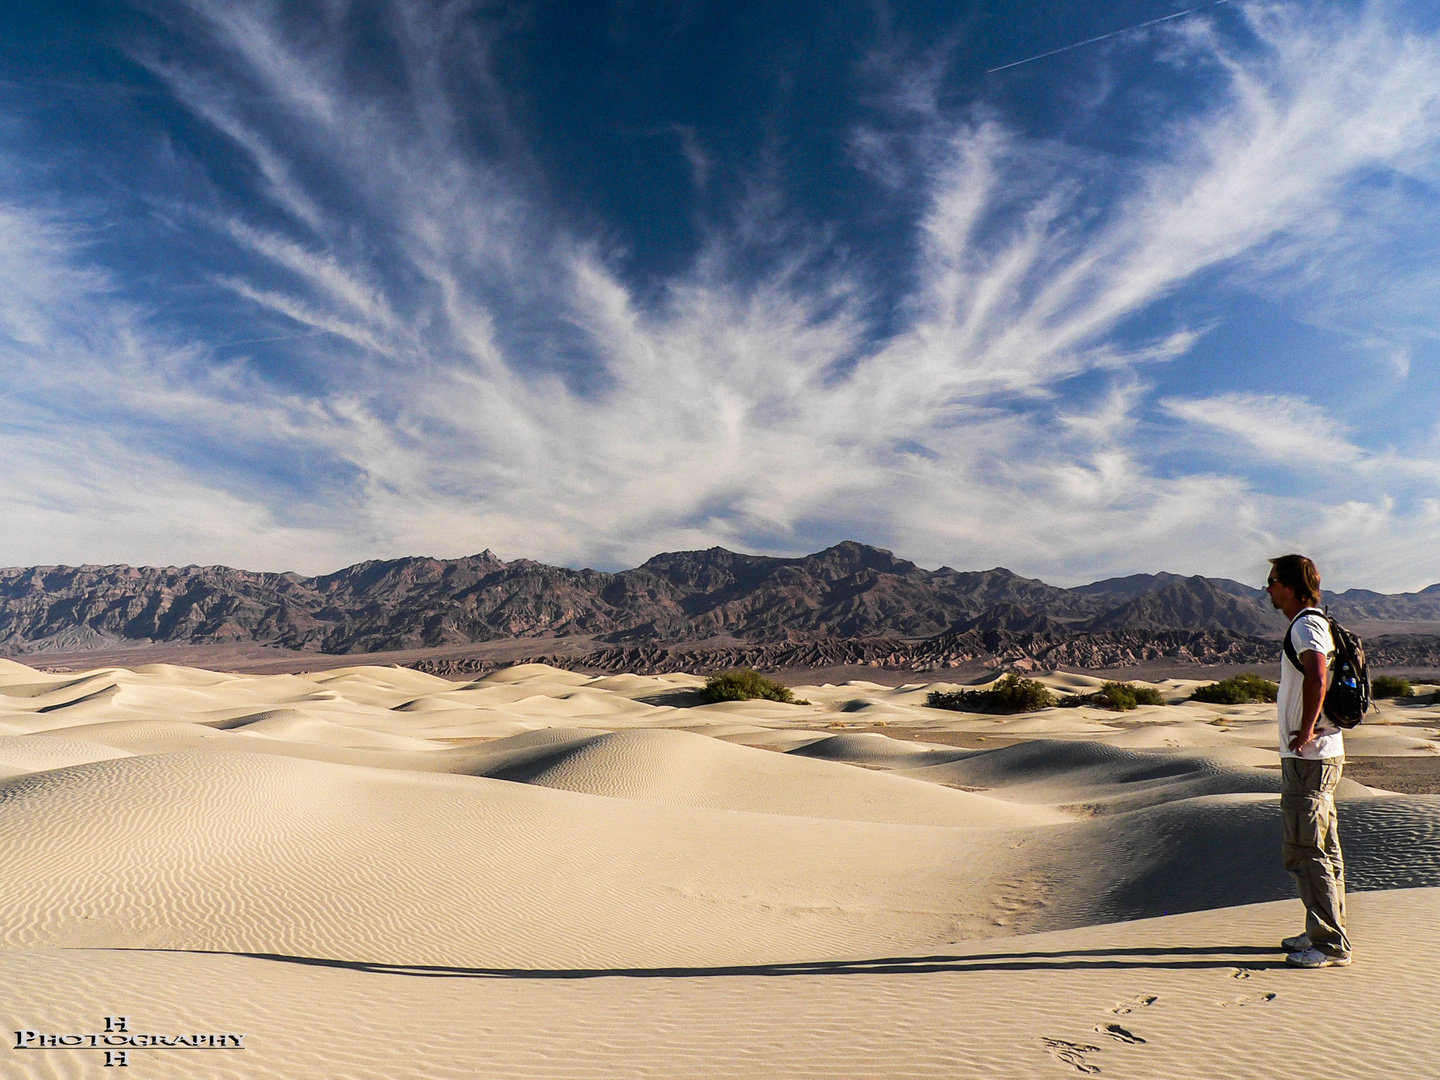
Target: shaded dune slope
column 1100, row 778
column 685, row 769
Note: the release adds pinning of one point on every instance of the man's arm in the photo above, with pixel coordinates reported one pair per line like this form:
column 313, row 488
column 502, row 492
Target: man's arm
column 1312, row 696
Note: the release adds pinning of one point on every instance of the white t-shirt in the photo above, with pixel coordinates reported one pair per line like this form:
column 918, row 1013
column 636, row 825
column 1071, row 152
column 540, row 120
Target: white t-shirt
column 1309, row 633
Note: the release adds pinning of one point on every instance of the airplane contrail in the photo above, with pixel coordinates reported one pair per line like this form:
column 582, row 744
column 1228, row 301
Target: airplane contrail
column 1102, row 37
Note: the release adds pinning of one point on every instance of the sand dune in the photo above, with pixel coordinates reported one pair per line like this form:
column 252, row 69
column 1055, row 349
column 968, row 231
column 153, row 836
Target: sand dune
column 41, row 753
column 539, row 873
column 316, row 859
column 872, row 748
column 684, row 769
column 1195, row 995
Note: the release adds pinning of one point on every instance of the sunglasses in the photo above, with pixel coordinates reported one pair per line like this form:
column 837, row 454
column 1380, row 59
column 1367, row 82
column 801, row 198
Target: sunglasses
column 1270, row 583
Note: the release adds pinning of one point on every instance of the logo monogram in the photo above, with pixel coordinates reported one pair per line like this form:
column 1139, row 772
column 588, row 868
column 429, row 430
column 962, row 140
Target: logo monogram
column 117, row 1035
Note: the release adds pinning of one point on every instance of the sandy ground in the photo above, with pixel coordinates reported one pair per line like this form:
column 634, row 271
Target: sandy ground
column 371, row 872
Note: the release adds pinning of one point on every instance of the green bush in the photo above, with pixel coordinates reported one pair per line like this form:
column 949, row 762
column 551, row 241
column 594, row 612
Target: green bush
column 1011, row 694
column 1239, row 689
column 1119, row 696
column 742, row 684
column 1386, row 686
column 1122, row 697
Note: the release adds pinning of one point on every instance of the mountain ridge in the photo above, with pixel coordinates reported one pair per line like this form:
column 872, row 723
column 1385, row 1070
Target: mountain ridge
column 847, row 591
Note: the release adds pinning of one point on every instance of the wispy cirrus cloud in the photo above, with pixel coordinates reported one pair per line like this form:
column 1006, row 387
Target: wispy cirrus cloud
column 471, row 368
column 1283, row 427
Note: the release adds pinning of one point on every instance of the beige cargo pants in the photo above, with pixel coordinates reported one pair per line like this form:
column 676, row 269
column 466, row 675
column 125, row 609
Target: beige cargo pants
column 1311, row 847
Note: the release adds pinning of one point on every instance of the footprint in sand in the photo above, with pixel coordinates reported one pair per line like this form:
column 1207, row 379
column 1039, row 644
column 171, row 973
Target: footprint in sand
column 1250, row 999
column 1072, row 1054
column 1242, row 973
column 1140, row 1001
column 1119, row 1034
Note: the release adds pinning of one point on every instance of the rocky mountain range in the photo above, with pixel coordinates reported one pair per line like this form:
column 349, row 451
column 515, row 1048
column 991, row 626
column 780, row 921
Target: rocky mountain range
column 849, row 592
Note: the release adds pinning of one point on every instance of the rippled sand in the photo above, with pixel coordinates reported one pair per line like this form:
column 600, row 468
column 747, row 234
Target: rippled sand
column 378, row 873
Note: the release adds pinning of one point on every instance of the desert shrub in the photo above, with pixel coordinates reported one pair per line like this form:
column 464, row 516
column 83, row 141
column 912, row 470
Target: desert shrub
column 1239, row 689
column 742, row 684
column 1387, row 686
column 1129, row 691
column 1119, row 696
column 1122, row 696
column 1011, row 694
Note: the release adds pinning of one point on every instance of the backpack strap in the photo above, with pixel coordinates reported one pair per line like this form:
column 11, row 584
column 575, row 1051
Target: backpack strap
column 1289, row 647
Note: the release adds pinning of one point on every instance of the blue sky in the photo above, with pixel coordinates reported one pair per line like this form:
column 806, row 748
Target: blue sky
column 287, row 286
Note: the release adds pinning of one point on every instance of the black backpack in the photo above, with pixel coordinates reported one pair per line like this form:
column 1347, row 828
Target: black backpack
column 1348, row 695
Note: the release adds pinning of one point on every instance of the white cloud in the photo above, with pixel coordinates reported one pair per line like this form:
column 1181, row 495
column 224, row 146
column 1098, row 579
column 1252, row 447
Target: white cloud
column 506, row 389
column 321, row 271
column 1284, row 428
column 89, row 497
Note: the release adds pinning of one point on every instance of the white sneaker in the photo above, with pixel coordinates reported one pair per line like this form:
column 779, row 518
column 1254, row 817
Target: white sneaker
column 1314, row 958
column 1298, row 943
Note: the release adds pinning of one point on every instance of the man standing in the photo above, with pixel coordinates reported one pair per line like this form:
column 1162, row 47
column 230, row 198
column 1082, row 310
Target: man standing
column 1312, row 754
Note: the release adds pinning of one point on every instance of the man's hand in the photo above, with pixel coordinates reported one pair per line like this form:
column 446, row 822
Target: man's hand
column 1300, row 738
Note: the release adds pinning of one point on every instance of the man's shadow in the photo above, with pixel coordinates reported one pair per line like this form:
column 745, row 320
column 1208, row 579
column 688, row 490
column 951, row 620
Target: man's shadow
column 1174, row 958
